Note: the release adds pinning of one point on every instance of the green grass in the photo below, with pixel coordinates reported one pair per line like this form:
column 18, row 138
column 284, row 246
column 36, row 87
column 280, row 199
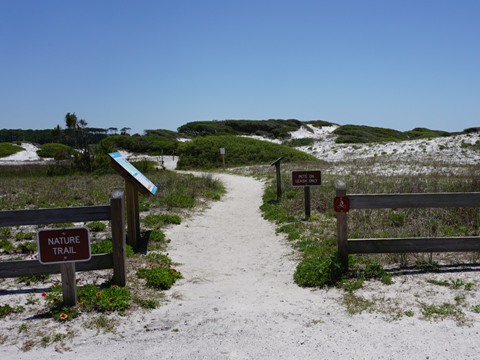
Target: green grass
column 316, row 239
column 7, row 149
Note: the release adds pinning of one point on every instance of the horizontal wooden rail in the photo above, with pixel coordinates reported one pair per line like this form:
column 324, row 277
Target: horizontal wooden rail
column 413, row 245
column 52, row 216
column 11, row 269
column 395, row 201
column 116, row 260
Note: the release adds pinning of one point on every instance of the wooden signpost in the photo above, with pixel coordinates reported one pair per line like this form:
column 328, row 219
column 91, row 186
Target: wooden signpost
column 306, row 179
column 135, row 181
column 65, row 247
column 276, row 163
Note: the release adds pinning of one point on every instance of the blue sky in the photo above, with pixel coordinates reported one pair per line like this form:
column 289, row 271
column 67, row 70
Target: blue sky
column 159, row 64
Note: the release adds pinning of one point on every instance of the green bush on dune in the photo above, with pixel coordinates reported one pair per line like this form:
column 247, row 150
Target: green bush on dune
column 204, row 152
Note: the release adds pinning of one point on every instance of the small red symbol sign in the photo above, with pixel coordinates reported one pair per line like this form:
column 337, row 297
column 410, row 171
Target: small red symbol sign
column 341, row 204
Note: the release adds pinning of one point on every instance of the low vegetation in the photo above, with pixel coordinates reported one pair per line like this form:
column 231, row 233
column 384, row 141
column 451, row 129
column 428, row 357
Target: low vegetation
column 7, row 149
column 272, row 128
column 369, row 134
column 204, row 152
column 150, row 272
column 316, row 239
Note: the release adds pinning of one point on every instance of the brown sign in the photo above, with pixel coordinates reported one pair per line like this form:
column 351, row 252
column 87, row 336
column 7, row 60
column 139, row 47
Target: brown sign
column 306, row 178
column 63, row 245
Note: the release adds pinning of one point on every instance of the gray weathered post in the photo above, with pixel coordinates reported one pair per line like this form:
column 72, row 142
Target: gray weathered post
column 342, row 233
column 69, row 284
column 133, row 213
column 118, row 238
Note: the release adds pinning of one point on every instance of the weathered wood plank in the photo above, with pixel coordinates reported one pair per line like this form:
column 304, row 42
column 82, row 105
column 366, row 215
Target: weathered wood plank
column 118, row 238
column 408, row 245
column 395, row 201
column 69, row 284
column 11, row 269
column 52, row 216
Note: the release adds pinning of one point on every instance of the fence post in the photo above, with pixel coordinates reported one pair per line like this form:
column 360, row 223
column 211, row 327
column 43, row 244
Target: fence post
column 133, row 217
column 69, row 284
column 342, row 232
column 308, row 205
column 118, row 238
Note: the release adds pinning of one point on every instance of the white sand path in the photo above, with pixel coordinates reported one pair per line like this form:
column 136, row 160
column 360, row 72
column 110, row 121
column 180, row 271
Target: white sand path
column 238, row 301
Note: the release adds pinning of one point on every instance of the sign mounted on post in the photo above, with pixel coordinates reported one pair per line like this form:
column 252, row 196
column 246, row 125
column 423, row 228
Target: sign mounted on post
column 63, row 245
column 128, row 171
column 306, row 178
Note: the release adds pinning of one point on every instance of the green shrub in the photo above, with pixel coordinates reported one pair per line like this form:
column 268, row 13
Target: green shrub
column 204, row 152
column 159, row 277
column 320, row 271
column 96, row 226
column 7, row 149
column 56, row 151
column 28, row 247
column 113, row 298
column 156, row 235
column 7, row 246
column 106, row 247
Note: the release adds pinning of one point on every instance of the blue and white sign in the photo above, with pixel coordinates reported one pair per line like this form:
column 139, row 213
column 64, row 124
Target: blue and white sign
column 132, row 170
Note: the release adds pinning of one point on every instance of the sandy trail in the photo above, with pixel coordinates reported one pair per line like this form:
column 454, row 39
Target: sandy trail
column 238, row 301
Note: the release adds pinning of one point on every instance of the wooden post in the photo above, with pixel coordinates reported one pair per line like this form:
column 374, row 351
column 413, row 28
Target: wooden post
column 279, row 181
column 342, row 232
column 133, row 214
column 279, row 177
column 69, row 284
column 118, row 238
column 307, row 202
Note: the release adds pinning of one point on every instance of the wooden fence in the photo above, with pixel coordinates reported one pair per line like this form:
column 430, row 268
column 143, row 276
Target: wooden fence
column 395, row 201
column 116, row 260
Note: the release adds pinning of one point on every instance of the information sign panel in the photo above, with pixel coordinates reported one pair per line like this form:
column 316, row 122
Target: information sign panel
column 128, row 170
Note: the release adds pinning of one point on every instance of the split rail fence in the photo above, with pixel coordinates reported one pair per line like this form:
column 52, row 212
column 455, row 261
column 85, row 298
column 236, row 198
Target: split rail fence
column 395, row 201
column 116, row 260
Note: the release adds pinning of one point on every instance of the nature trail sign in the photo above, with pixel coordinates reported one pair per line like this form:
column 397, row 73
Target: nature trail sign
column 63, row 245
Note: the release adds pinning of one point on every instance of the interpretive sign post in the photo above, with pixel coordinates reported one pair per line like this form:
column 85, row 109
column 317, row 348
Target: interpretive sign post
column 135, row 181
column 65, row 247
column 307, row 179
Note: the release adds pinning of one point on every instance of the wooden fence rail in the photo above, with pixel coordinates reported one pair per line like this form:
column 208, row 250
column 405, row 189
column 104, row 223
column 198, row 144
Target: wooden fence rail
column 395, row 201
column 116, row 260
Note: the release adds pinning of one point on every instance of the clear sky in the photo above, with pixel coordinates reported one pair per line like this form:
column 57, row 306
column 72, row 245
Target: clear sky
column 159, row 64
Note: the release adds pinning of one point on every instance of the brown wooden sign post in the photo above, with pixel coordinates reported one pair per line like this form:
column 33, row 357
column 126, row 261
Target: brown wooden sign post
column 65, row 247
column 135, row 182
column 307, row 179
column 276, row 163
